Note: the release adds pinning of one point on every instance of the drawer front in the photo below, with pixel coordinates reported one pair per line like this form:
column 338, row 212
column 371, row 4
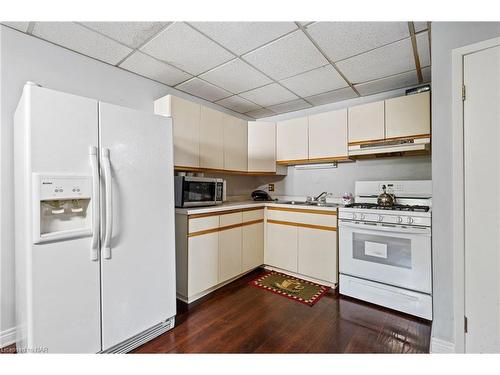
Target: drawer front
column 230, row 219
column 326, row 219
column 253, row 215
column 203, row 223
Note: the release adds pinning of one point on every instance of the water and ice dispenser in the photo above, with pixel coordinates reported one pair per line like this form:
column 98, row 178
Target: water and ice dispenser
column 62, row 207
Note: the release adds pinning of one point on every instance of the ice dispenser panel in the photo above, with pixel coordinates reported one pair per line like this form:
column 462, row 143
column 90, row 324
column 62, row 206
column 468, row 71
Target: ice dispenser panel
column 62, row 207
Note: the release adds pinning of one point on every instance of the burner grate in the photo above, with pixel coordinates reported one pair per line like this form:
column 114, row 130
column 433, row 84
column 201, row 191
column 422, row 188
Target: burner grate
column 396, row 207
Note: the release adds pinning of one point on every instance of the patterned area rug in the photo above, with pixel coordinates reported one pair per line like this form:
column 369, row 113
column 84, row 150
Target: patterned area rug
column 291, row 287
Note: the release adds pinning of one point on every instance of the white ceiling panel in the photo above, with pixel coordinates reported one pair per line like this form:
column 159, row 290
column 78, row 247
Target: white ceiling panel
column 259, row 113
column 269, row 95
column 202, row 89
column 148, row 67
column 238, row 104
column 340, row 40
column 242, row 37
column 236, row 76
column 81, row 39
column 315, row 81
column 332, row 96
column 287, row 56
column 21, row 26
column 133, row 34
column 294, row 105
column 390, row 83
column 423, row 49
column 187, row 49
column 419, row 26
column 381, row 62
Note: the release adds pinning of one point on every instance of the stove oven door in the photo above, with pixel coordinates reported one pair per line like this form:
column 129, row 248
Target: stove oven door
column 394, row 255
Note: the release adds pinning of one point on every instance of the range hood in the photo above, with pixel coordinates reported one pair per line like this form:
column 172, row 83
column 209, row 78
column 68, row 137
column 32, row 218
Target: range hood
column 390, row 146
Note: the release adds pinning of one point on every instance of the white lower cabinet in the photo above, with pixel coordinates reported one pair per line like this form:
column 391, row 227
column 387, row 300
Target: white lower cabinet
column 252, row 253
column 317, row 254
column 229, row 253
column 281, row 249
column 203, row 262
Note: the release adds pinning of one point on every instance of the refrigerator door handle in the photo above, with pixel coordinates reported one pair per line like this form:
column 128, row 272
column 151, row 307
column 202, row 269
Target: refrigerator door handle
column 94, row 247
column 109, row 203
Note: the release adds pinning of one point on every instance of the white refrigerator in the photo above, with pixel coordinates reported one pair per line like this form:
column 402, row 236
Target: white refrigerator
column 95, row 245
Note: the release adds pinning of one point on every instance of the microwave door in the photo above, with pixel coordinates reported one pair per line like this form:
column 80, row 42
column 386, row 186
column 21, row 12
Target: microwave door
column 199, row 193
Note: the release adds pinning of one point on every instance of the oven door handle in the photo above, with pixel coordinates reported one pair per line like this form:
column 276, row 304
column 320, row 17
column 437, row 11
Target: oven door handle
column 384, row 228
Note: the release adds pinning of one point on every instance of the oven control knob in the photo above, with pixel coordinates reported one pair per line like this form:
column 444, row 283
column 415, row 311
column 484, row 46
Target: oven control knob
column 410, row 220
column 380, row 218
column 400, row 219
column 362, row 216
column 354, row 216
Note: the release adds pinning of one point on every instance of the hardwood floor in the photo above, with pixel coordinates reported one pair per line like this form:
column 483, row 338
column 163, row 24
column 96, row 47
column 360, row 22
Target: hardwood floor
column 240, row 318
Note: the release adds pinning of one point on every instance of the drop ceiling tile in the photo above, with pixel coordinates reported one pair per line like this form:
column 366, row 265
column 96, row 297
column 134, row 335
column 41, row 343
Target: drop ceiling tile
column 423, row 49
column 426, row 74
column 133, row 34
column 381, row 62
column 315, row 81
column 182, row 46
column 236, row 76
column 340, row 40
column 332, row 96
column 389, row 83
column 269, row 95
column 21, row 26
column 294, row 105
column 81, row 39
column 238, row 104
column 242, row 37
column 260, row 113
column 148, row 67
column 202, row 89
column 420, row 25
column 287, row 56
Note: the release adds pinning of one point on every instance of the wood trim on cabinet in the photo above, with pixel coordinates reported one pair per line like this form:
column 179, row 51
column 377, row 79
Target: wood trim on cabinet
column 314, row 160
column 227, row 212
column 295, row 224
column 304, row 210
column 220, row 229
column 416, row 136
column 181, row 168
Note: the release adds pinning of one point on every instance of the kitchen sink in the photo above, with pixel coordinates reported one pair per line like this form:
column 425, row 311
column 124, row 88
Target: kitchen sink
column 302, row 203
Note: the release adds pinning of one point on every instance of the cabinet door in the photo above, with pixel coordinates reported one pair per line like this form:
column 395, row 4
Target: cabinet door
column 317, row 253
column 235, row 144
column 366, row 122
column 261, row 146
column 291, row 139
column 229, row 253
column 252, row 254
column 203, row 262
column 281, row 249
column 328, row 134
column 186, row 128
column 408, row 115
column 211, row 138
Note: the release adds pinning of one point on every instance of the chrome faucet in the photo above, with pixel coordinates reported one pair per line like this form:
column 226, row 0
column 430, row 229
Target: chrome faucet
column 325, row 193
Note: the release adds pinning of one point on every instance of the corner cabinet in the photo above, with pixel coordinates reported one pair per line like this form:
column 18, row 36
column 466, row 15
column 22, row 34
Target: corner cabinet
column 211, row 138
column 366, row 122
column 235, row 144
column 291, row 140
column 261, row 146
column 408, row 116
column 328, row 135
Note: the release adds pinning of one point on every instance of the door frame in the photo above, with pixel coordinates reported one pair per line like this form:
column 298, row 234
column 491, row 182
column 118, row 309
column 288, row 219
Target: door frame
column 458, row 190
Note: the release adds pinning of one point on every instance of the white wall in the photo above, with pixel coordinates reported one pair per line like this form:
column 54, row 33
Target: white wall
column 445, row 37
column 24, row 58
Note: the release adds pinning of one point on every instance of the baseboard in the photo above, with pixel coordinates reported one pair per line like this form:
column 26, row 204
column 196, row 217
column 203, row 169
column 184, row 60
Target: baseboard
column 439, row 346
column 7, row 337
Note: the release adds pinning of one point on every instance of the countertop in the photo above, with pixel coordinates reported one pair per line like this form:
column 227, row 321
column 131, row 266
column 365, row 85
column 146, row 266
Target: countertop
column 249, row 204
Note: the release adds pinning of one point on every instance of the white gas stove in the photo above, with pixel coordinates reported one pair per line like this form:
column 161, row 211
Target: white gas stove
column 385, row 252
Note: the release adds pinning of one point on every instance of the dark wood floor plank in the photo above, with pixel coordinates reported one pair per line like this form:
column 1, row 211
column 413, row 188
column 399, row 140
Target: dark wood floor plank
column 240, row 318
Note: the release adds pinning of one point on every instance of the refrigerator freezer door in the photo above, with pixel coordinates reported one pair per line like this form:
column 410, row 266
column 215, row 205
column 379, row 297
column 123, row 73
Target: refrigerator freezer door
column 62, row 280
column 138, row 280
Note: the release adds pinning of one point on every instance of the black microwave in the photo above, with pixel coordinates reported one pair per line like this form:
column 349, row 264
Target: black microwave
column 191, row 191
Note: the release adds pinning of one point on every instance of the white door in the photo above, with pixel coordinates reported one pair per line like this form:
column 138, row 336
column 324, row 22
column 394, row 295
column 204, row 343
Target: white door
column 291, row 139
column 203, row 262
column 281, row 249
column 261, row 146
column 482, row 200
column 229, row 253
column 65, row 279
column 138, row 280
column 328, row 134
column 317, row 253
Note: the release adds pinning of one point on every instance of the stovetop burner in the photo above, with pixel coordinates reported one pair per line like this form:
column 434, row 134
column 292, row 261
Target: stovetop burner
column 396, row 207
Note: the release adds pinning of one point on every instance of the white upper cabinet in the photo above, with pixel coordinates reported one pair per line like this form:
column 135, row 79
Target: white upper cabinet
column 261, row 146
column 408, row 116
column 186, row 128
column 291, row 139
column 328, row 135
column 211, row 138
column 235, row 144
column 366, row 122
